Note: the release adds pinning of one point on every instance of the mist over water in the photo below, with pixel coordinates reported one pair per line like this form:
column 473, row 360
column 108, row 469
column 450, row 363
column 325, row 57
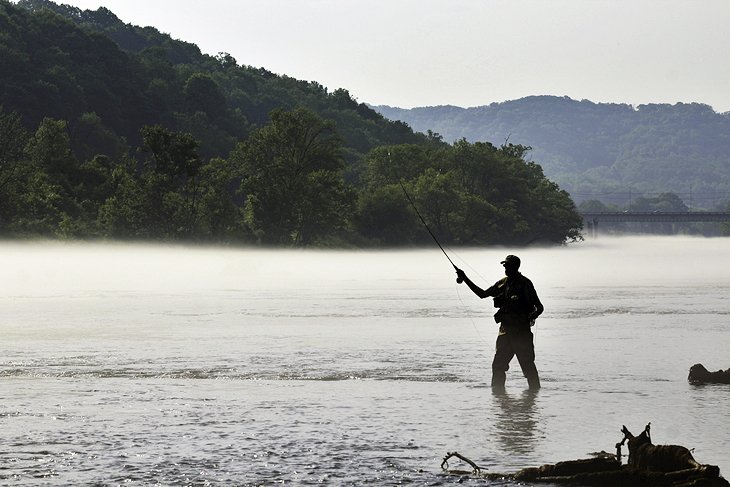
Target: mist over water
column 33, row 267
column 190, row 365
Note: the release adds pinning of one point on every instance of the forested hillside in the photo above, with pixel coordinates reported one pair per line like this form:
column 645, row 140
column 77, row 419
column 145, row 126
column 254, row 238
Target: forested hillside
column 132, row 76
column 604, row 151
column 109, row 130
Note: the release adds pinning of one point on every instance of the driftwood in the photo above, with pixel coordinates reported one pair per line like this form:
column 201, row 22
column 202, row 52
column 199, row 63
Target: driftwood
column 698, row 374
column 648, row 465
column 643, row 455
column 445, row 463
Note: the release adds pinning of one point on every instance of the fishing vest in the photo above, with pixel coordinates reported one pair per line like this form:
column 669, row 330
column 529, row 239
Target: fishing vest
column 513, row 301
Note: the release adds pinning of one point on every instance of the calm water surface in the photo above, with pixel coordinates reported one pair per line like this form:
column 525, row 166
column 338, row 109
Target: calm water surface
column 154, row 365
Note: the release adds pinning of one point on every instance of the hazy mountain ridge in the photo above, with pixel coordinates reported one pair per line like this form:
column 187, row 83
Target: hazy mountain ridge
column 591, row 149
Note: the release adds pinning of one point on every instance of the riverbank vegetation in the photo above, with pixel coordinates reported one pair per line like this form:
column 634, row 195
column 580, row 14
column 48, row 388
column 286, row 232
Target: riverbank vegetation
column 112, row 131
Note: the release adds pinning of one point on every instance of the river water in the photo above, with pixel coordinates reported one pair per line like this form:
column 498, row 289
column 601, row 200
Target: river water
column 163, row 365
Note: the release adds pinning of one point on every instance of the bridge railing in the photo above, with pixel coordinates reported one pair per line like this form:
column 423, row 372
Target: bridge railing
column 656, row 216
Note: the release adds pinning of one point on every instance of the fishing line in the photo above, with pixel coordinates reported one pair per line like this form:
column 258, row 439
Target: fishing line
column 469, row 315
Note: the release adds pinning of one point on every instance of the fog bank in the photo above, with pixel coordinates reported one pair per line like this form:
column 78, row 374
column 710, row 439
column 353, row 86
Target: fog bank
column 39, row 268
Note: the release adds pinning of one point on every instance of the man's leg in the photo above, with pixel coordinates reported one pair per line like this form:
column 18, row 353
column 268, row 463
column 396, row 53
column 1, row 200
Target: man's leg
column 500, row 365
column 524, row 348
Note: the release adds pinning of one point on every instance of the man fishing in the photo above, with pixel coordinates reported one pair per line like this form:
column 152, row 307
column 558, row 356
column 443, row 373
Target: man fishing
column 519, row 306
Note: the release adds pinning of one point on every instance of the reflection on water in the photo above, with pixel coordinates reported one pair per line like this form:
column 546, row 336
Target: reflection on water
column 516, row 421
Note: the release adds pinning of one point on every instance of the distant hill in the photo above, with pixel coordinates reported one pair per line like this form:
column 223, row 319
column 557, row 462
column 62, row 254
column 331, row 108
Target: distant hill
column 62, row 62
column 602, row 151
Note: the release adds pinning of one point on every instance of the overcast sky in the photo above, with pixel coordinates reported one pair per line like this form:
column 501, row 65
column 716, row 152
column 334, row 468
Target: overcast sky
column 410, row 53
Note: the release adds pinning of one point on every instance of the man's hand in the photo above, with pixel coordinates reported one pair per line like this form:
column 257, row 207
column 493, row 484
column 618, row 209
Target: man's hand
column 460, row 276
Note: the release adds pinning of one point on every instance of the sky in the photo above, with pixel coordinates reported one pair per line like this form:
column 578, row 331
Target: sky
column 410, row 53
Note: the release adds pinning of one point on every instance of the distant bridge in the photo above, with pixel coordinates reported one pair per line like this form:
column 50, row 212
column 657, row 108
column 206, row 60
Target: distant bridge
column 591, row 218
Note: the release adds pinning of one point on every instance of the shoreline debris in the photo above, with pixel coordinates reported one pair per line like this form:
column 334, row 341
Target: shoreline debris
column 698, row 374
column 648, row 465
column 445, row 463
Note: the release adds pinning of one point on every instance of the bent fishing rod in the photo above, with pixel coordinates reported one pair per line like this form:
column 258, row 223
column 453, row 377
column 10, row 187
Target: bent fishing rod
column 415, row 208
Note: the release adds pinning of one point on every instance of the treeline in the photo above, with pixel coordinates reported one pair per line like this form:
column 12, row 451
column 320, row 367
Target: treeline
column 282, row 185
column 605, row 151
column 144, row 137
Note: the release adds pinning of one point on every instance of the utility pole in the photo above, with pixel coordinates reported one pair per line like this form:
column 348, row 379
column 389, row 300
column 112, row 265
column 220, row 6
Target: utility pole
column 629, row 199
column 690, row 196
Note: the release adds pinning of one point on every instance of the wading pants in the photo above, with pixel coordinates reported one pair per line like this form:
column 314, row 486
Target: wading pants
column 510, row 343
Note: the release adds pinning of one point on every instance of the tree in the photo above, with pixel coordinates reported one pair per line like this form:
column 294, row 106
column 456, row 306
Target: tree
column 291, row 180
column 14, row 165
column 39, row 191
column 50, row 150
column 203, row 94
column 384, row 217
column 13, row 139
column 468, row 194
column 90, row 137
column 220, row 218
column 162, row 200
column 127, row 213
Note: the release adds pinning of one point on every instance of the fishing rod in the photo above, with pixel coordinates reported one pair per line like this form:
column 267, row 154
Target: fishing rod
column 415, row 208
column 459, row 280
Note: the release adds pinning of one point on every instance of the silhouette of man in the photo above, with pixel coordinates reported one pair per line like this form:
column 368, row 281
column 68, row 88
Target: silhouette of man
column 519, row 306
